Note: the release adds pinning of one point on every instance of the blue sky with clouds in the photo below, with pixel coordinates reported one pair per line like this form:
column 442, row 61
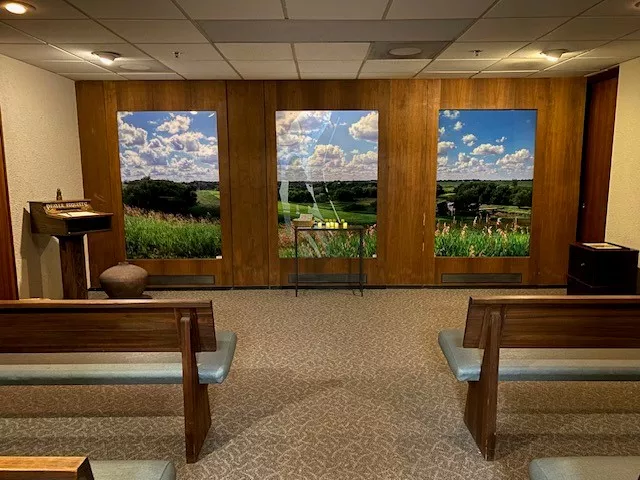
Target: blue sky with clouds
column 486, row 144
column 325, row 145
column 181, row 146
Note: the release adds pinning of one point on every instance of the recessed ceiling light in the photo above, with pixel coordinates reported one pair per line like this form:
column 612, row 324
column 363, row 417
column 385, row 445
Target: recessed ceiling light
column 135, row 67
column 554, row 55
column 405, row 51
column 17, row 8
column 107, row 57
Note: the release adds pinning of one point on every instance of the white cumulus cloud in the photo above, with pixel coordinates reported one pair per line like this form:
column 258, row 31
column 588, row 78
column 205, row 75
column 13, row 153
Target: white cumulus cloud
column 444, row 147
column 366, row 128
column 451, row 114
column 488, row 149
column 469, row 139
column 501, row 139
column 458, row 126
column 178, row 123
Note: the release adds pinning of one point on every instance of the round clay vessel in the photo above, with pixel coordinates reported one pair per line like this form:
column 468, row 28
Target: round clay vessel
column 124, row 281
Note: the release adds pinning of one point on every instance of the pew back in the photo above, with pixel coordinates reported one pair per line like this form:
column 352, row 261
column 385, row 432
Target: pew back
column 43, row 326
column 556, row 321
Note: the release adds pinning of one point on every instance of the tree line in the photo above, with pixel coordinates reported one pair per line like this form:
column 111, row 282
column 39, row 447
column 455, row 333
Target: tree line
column 468, row 196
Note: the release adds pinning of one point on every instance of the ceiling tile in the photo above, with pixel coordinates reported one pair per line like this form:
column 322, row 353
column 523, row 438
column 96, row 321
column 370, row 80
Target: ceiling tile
column 126, row 66
column 233, row 9
column 68, row 67
column 410, row 67
column 430, row 74
column 66, row 31
column 385, row 75
column 93, row 76
column 329, row 66
column 188, row 52
column 11, row 35
column 620, row 48
column 411, row 9
column 265, row 69
column 614, row 7
column 575, row 48
column 580, row 64
column 85, row 50
column 204, row 70
column 287, row 31
column 328, row 76
column 520, row 64
column 558, row 73
column 510, row 29
column 256, row 51
column 47, row 10
column 505, row 74
column 142, row 9
column 595, row 28
column 496, row 50
column 336, row 9
column 331, row 51
column 462, row 65
column 156, row 31
column 151, row 76
column 540, row 8
column 382, row 50
column 34, row 52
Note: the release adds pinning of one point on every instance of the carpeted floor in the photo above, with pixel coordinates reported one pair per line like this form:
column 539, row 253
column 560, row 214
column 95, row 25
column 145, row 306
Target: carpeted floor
column 329, row 385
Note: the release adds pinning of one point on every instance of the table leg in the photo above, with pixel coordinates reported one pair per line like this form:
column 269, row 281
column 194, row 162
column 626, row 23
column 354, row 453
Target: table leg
column 295, row 240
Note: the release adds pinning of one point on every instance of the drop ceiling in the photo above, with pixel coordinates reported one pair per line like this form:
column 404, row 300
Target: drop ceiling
column 321, row 39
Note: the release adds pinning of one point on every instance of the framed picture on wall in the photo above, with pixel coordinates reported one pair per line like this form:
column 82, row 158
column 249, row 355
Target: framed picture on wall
column 484, row 187
column 170, row 184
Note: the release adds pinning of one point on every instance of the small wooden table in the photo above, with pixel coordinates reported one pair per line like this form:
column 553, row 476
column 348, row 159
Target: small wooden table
column 356, row 228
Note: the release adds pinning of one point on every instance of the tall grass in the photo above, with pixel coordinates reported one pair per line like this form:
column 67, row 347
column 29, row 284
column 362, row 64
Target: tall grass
column 158, row 235
column 327, row 244
column 487, row 241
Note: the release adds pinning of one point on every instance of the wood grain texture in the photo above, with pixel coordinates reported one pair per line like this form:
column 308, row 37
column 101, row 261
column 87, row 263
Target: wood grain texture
column 98, row 104
column 560, row 105
column 49, row 468
column 596, row 158
column 8, row 278
column 41, row 326
column 248, row 183
column 73, row 268
column 558, row 322
column 197, row 413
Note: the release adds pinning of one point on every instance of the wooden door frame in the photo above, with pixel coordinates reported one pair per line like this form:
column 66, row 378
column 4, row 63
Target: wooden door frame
column 8, row 277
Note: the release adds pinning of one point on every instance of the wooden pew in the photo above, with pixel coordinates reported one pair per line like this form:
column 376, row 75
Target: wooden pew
column 602, row 324
column 44, row 342
column 79, row 468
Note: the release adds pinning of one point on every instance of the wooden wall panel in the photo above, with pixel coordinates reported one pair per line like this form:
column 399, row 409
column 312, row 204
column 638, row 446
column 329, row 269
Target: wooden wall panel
column 408, row 136
column 98, row 104
column 326, row 95
column 8, row 278
column 602, row 94
column 248, row 183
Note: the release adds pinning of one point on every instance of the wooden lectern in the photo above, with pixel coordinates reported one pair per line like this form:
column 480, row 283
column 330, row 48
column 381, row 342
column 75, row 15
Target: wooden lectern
column 69, row 222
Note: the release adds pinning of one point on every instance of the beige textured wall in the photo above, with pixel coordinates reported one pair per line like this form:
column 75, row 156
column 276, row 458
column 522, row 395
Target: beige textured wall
column 42, row 153
column 623, row 219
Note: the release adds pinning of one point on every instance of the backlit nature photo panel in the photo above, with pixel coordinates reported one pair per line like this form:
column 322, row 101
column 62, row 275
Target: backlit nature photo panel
column 327, row 167
column 170, row 184
column 485, row 183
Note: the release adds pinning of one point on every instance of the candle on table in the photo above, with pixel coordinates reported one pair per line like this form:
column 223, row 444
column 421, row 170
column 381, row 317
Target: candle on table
column 344, row 225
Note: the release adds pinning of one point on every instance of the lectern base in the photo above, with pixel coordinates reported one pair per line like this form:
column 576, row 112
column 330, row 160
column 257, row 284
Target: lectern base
column 72, row 264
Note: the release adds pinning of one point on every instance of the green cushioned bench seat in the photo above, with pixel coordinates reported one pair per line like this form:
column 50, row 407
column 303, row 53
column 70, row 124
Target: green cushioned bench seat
column 542, row 364
column 132, row 470
column 585, row 468
column 115, row 368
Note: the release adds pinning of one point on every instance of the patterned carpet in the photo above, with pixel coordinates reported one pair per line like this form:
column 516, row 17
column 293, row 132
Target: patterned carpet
column 329, row 386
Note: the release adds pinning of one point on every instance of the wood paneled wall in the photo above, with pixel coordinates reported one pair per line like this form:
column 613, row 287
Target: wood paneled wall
column 8, row 279
column 408, row 137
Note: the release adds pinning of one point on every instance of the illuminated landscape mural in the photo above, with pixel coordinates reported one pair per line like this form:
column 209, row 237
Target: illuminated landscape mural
column 327, row 167
column 485, row 183
column 170, row 184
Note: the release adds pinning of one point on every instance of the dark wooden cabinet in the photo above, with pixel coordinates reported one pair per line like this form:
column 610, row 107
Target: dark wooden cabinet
column 602, row 271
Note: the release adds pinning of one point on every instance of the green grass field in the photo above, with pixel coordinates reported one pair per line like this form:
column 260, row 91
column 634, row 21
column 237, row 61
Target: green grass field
column 209, row 198
column 356, row 218
column 482, row 242
column 156, row 235
column 326, row 244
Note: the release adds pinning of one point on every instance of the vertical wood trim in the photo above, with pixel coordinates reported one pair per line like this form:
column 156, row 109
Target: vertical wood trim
column 596, row 159
column 8, row 276
column 248, row 188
